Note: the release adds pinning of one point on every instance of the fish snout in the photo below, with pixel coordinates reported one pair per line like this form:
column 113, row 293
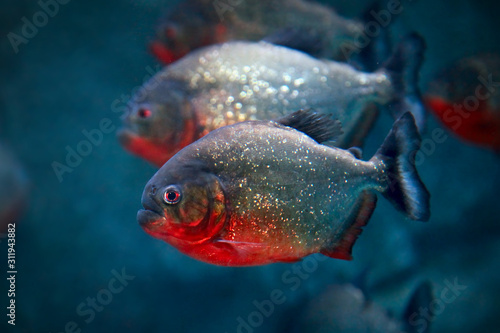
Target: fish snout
column 152, row 215
column 127, row 131
column 150, row 200
column 124, row 137
column 148, row 219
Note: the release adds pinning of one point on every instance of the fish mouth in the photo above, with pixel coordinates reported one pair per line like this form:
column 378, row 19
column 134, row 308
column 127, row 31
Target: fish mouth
column 126, row 136
column 154, row 151
column 149, row 219
column 162, row 52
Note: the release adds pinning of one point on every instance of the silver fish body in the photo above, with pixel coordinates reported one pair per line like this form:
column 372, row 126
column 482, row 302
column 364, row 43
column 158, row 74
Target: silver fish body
column 241, row 81
column 238, row 81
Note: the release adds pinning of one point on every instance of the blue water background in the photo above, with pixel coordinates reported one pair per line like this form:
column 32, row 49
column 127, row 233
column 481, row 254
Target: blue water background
column 76, row 232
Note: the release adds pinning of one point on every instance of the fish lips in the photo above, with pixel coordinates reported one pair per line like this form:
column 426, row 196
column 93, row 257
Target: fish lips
column 149, row 219
column 152, row 218
column 162, row 52
column 126, row 136
column 152, row 215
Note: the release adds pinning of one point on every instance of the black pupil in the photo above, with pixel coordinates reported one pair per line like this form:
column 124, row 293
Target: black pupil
column 172, row 196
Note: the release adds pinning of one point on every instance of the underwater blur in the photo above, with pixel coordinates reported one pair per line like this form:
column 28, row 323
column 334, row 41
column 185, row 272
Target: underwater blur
column 77, row 260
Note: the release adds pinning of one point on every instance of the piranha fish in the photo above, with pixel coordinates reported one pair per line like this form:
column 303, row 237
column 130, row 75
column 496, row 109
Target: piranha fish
column 239, row 81
column 196, row 23
column 260, row 192
column 347, row 308
column 466, row 99
column 13, row 188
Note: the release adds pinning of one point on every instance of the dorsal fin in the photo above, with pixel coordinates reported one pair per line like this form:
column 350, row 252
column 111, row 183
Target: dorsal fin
column 342, row 248
column 319, row 127
column 356, row 152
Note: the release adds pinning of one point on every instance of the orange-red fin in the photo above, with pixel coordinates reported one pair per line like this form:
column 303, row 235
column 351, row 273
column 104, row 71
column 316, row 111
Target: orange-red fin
column 342, row 249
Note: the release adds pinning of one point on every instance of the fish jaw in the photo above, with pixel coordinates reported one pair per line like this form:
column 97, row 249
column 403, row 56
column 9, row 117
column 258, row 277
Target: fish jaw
column 221, row 250
column 157, row 225
column 163, row 53
column 149, row 220
column 480, row 127
column 153, row 152
column 159, row 150
column 212, row 251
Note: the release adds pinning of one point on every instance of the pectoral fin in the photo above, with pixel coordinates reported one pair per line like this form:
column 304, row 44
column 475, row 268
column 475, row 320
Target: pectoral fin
column 243, row 247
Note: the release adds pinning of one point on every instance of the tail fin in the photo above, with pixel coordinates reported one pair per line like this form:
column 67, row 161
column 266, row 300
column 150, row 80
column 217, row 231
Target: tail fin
column 421, row 297
column 405, row 189
column 403, row 67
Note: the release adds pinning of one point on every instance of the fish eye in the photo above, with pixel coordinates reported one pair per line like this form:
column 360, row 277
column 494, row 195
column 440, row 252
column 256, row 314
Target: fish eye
column 172, row 195
column 144, row 113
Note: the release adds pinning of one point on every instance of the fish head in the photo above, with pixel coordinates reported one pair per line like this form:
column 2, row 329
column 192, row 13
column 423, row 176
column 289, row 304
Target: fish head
column 183, row 204
column 157, row 124
column 172, row 42
column 187, row 29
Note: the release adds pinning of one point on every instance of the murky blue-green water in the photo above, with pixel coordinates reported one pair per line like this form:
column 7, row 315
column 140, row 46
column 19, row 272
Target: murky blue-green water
column 78, row 234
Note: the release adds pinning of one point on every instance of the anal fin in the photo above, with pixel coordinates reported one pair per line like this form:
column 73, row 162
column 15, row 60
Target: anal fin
column 359, row 218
